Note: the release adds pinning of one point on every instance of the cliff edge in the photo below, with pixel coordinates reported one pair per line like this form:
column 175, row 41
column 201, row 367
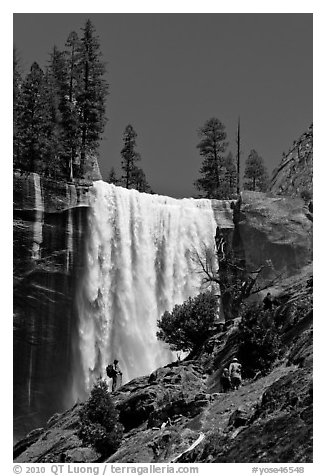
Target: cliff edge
column 293, row 177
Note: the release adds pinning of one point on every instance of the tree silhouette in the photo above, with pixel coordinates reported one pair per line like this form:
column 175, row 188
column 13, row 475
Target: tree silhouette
column 112, row 177
column 59, row 114
column 129, row 156
column 255, row 174
column 228, row 182
column 17, row 84
column 212, row 146
column 91, row 94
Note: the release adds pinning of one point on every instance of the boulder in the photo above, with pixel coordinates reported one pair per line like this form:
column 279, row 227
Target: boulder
column 171, row 390
column 241, row 416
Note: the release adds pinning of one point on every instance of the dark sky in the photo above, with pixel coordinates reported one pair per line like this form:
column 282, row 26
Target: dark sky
column 169, row 73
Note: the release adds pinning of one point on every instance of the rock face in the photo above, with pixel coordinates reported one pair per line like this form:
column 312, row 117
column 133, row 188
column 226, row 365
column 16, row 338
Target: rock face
column 49, row 232
column 276, row 229
column 177, row 414
column 293, row 177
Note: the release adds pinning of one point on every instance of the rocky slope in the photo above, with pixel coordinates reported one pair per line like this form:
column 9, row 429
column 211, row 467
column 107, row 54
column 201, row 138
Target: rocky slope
column 293, row 177
column 177, row 414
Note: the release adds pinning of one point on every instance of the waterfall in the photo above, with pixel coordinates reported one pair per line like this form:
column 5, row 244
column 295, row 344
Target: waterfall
column 139, row 263
column 72, row 200
column 38, row 220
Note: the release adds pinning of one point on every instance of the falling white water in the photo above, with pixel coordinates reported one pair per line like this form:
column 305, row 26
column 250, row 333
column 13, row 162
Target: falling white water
column 72, row 200
column 38, row 220
column 140, row 263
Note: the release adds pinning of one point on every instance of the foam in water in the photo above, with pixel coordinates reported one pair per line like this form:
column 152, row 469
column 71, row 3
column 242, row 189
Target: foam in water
column 139, row 264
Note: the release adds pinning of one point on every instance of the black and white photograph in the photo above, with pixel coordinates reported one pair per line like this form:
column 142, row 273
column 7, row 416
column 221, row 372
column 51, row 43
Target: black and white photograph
column 162, row 241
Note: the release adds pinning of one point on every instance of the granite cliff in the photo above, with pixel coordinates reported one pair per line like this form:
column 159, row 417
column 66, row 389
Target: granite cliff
column 49, row 230
column 293, row 177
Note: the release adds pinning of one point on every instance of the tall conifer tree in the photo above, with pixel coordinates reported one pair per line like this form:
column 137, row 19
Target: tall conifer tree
column 91, row 92
column 17, row 84
column 60, row 115
column 32, row 119
column 71, row 118
column 112, row 177
column 212, row 147
column 255, row 174
column 129, row 156
column 139, row 181
column 228, row 186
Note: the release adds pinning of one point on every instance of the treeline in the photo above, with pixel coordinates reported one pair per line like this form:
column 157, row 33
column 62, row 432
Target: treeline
column 218, row 172
column 59, row 112
column 59, row 116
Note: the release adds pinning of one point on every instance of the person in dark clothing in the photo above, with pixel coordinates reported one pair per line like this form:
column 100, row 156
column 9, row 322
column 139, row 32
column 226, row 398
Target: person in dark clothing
column 268, row 302
column 225, row 380
column 117, row 376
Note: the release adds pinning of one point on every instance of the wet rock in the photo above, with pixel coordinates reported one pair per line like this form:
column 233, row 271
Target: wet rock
column 50, row 223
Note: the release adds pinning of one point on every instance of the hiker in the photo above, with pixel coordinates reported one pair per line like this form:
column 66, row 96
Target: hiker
column 268, row 301
column 113, row 371
column 225, row 380
column 235, row 373
column 117, row 375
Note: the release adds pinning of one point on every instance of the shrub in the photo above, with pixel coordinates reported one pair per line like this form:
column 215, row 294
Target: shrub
column 258, row 341
column 99, row 421
column 188, row 326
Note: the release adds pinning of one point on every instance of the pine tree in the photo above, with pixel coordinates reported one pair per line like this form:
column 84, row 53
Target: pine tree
column 56, row 99
column 17, row 84
column 255, row 173
column 91, row 94
column 129, row 156
column 60, row 115
column 71, row 119
column 228, row 186
column 32, row 122
column 112, row 177
column 139, row 181
column 212, row 146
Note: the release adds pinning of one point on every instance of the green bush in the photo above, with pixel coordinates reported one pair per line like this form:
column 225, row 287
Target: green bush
column 258, row 341
column 99, row 419
column 190, row 324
